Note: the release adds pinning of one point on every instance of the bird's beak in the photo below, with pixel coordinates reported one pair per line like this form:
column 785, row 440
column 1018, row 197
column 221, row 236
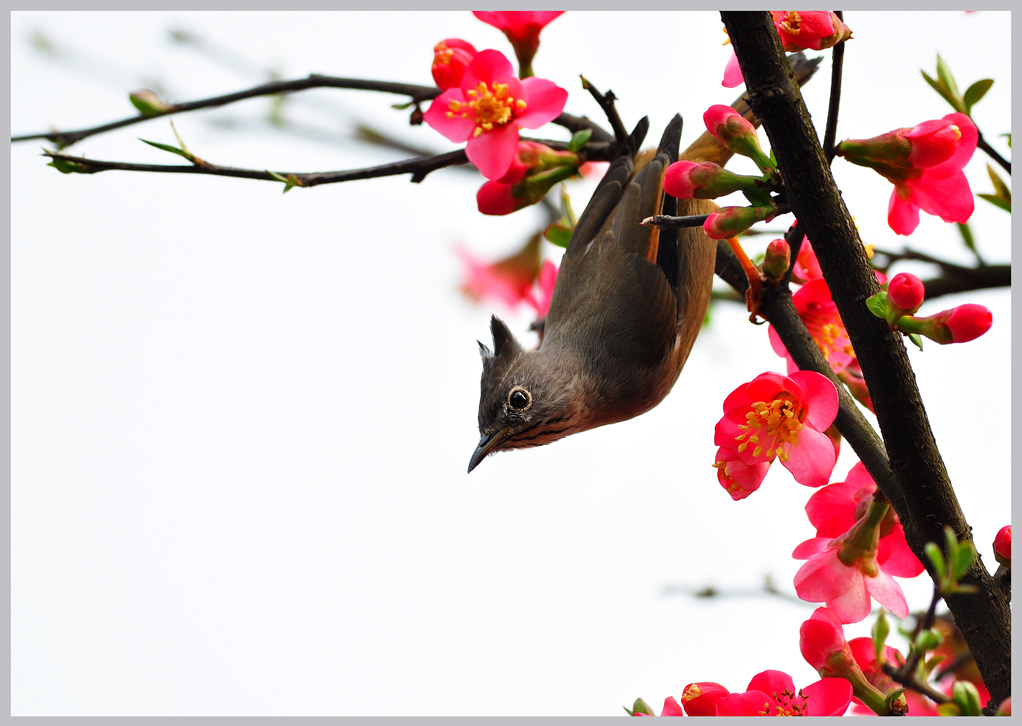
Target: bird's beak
column 486, row 444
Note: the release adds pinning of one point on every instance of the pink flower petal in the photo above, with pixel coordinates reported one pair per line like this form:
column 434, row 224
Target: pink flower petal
column 750, row 703
column 454, row 128
column 949, row 198
column 544, row 102
column 902, row 216
column 492, row 152
column 966, row 145
column 671, row 707
column 896, row 558
column 820, row 396
column 732, row 72
column 811, row 462
column 888, row 593
column 828, row 697
column 853, row 605
column 772, row 682
column 832, row 509
column 490, row 66
column 812, row 548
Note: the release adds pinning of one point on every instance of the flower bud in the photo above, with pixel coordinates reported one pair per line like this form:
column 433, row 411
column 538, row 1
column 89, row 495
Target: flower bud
column 731, row 221
column 700, row 699
column 534, row 171
column 920, row 147
column 689, row 180
column 777, row 259
column 1005, row 708
column 957, row 325
column 1002, row 546
column 736, row 133
column 148, row 102
column 809, row 29
column 641, row 708
column 450, row 59
column 823, row 645
column 905, row 293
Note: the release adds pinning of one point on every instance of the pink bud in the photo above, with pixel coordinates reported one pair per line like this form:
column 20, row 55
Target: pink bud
column 823, row 645
column 1002, row 545
column 496, row 198
column 905, row 292
column 689, row 180
column 727, row 124
column 678, row 180
column 450, row 59
column 967, row 322
column 1005, row 708
column 777, row 259
column 700, row 699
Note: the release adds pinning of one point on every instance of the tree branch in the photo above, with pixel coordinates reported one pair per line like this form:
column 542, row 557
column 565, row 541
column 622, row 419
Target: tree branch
column 992, row 153
column 417, row 94
column 921, row 493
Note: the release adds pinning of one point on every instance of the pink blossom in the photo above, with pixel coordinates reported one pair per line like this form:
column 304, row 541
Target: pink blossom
column 489, row 107
column 773, row 693
column 823, row 321
column 846, row 589
column 775, row 416
column 450, row 59
column 522, row 28
column 941, row 190
column 809, row 29
column 823, row 645
column 807, row 267
column 700, row 699
column 535, row 169
column 671, row 708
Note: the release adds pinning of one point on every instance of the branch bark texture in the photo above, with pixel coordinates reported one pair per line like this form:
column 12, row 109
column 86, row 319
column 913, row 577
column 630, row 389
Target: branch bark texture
column 922, row 494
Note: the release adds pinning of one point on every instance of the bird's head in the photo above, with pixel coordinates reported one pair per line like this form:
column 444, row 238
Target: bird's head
column 525, row 399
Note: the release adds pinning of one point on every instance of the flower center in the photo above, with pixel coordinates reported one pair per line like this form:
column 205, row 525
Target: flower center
column 792, row 23
column 787, row 704
column 772, row 428
column 490, row 106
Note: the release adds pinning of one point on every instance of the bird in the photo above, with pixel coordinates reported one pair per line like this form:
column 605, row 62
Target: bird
column 626, row 308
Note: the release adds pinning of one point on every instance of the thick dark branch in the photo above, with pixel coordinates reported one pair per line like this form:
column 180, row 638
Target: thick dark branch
column 922, row 494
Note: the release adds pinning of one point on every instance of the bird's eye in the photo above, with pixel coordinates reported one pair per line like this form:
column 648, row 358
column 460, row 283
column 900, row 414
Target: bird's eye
column 519, row 398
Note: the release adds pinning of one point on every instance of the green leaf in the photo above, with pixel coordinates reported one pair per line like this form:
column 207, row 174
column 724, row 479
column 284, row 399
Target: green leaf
column 948, row 709
column 948, row 80
column 878, row 305
column 558, row 234
column 996, row 201
column 936, row 557
column 942, row 91
column 148, row 102
column 186, row 153
column 579, row 139
column 166, row 147
column 642, row 707
column 914, row 337
column 964, row 556
column 967, row 238
column 928, row 640
column 1009, row 139
column 881, row 629
column 1000, row 188
column 975, row 92
column 292, row 181
column 568, row 218
column 402, row 106
column 966, row 697
column 65, row 166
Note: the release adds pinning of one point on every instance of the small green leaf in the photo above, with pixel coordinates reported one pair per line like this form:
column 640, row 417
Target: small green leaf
column 996, row 201
column 66, row 166
column 948, row 709
column 966, row 697
column 568, row 218
column 148, row 102
column 975, row 92
column 967, row 238
column 928, row 640
column 881, row 629
column 878, row 305
column 936, row 557
column 915, row 338
column 1000, row 188
column 579, row 139
column 165, row 147
column 1009, row 139
column 402, row 106
column 558, row 234
column 642, row 707
column 277, row 176
column 964, row 556
column 948, row 80
column 185, row 152
column 292, row 181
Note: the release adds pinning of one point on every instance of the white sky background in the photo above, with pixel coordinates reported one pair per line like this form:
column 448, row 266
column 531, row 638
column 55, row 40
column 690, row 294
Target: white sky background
column 241, row 420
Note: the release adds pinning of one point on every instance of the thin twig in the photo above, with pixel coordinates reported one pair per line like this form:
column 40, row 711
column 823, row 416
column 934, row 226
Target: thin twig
column 606, row 102
column 664, row 221
column 830, row 134
column 992, row 153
